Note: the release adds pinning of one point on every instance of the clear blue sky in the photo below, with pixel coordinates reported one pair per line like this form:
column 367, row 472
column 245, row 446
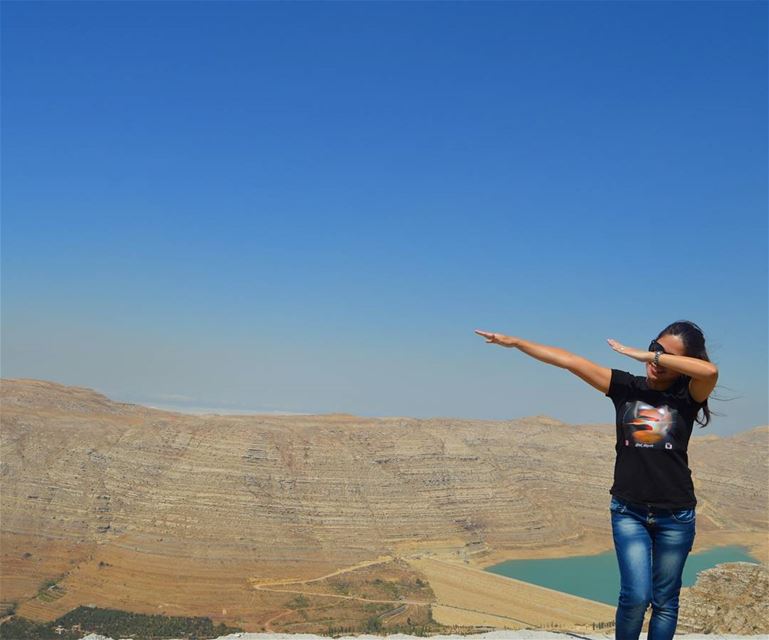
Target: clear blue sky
column 310, row 207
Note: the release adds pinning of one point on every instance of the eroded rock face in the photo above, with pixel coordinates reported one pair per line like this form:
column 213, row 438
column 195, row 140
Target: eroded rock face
column 115, row 501
column 730, row 598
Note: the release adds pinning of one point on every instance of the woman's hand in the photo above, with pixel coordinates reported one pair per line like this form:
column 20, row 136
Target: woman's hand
column 636, row 354
column 498, row 338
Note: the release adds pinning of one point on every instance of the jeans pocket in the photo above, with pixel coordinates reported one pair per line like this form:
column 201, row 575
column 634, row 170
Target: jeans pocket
column 616, row 506
column 684, row 516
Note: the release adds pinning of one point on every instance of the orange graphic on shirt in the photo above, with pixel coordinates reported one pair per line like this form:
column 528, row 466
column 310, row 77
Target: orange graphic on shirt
column 646, row 424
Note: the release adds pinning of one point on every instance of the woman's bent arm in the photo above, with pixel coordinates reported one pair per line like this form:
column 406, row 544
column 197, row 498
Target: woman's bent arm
column 595, row 375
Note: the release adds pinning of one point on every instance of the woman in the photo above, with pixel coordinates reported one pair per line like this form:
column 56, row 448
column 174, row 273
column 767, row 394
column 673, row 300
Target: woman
column 653, row 504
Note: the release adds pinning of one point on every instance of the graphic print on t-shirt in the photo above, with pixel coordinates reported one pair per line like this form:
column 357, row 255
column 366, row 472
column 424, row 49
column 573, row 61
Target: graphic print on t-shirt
column 649, row 427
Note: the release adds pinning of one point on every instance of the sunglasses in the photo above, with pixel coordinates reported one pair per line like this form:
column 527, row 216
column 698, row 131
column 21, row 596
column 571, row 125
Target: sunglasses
column 656, row 346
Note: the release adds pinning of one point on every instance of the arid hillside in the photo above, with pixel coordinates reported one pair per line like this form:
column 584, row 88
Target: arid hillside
column 122, row 506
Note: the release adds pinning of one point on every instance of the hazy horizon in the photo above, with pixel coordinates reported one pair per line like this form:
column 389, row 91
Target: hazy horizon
column 196, row 410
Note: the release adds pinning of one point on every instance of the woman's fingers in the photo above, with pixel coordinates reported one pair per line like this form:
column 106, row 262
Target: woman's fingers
column 489, row 336
column 615, row 345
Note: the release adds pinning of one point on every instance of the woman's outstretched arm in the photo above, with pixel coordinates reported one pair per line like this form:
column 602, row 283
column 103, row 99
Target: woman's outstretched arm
column 595, row 375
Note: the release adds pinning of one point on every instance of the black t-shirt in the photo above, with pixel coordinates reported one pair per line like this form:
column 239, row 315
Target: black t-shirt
column 653, row 429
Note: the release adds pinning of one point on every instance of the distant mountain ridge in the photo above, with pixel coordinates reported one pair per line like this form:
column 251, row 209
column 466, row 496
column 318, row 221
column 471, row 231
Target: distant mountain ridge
column 45, row 395
column 116, row 501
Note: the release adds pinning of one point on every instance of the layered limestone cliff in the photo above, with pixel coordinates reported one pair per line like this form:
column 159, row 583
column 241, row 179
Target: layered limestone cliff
column 112, row 502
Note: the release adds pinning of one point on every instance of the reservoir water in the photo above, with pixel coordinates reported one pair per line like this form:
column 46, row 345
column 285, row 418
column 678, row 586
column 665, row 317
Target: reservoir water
column 597, row 577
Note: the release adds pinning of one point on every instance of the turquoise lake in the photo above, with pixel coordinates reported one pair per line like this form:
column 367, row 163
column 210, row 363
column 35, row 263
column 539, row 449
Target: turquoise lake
column 597, row 577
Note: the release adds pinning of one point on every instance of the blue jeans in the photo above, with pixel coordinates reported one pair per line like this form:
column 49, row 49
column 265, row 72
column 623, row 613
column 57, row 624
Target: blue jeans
column 652, row 545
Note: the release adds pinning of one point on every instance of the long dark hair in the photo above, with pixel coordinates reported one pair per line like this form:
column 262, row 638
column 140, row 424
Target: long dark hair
column 694, row 347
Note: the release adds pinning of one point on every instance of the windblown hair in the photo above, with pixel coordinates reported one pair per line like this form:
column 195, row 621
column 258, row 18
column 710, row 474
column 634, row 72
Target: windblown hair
column 694, row 347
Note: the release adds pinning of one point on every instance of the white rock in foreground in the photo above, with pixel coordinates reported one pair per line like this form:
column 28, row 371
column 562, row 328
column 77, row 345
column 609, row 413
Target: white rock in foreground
column 490, row 635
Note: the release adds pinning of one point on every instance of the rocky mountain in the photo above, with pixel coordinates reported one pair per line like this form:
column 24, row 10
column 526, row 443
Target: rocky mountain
column 729, row 598
column 110, row 503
